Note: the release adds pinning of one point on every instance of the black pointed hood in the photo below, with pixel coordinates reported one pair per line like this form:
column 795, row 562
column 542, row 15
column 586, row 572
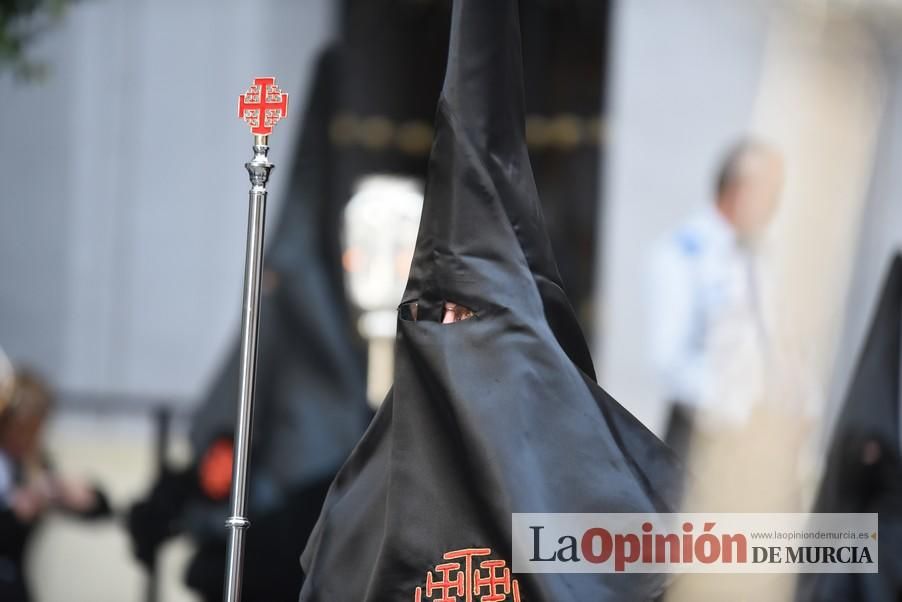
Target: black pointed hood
column 494, row 414
column 482, row 238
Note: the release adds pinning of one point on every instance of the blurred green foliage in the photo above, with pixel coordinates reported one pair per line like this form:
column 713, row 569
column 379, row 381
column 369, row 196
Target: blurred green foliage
column 21, row 21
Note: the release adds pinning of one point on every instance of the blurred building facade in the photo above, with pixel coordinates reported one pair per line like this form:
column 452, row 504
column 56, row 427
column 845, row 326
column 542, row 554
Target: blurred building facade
column 122, row 237
column 123, row 220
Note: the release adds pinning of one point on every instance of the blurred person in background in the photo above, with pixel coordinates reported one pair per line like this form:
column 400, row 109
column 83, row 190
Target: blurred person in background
column 737, row 392
column 709, row 331
column 29, row 487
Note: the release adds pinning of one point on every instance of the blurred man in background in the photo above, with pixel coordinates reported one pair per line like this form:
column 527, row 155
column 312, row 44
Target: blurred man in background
column 709, row 329
column 733, row 407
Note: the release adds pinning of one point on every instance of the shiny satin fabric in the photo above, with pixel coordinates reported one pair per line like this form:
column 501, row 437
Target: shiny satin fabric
column 498, row 413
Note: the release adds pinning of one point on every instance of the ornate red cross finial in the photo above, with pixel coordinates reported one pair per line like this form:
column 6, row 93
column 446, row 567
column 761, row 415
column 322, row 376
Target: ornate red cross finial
column 263, row 105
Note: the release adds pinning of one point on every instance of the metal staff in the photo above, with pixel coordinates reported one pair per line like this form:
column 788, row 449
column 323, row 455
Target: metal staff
column 261, row 107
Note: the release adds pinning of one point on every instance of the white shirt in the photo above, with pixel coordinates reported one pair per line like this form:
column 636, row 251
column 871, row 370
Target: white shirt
column 709, row 338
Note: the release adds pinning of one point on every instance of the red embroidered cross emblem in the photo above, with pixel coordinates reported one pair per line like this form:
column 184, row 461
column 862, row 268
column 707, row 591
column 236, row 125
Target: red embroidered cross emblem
column 462, row 581
column 444, row 587
column 263, row 105
column 493, row 581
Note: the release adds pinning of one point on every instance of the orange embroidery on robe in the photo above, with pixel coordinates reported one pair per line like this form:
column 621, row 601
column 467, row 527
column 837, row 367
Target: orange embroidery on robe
column 469, row 579
column 216, row 470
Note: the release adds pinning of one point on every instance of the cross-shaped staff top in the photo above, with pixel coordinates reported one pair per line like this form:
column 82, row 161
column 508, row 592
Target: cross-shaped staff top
column 263, row 105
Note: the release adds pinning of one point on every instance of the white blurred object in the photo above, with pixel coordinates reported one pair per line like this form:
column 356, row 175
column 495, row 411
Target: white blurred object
column 380, row 230
column 381, row 222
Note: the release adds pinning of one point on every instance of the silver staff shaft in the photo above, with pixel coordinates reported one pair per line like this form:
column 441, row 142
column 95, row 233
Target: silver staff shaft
column 258, row 169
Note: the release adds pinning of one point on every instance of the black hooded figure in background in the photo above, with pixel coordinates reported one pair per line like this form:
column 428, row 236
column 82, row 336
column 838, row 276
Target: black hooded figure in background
column 494, row 408
column 864, row 468
column 310, row 399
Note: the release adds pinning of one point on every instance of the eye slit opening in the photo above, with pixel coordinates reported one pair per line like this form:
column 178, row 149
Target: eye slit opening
column 450, row 313
column 455, row 312
column 409, row 311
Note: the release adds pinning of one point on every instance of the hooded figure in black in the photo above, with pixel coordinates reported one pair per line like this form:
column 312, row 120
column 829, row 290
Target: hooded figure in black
column 310, row 406
column 496, row 413
column 864, row 470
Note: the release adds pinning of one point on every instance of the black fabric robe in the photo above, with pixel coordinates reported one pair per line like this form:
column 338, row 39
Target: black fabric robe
column 499, row 413
column 864, row 469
